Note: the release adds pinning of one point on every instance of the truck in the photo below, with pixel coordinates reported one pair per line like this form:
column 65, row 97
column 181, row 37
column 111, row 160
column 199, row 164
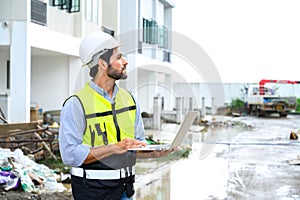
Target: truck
column 261, row 99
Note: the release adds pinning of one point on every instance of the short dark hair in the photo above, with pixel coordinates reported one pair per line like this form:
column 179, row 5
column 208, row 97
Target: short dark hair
column 106, row 57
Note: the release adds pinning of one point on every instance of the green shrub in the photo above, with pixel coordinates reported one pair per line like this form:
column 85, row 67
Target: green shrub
column 237, row 103
column 298, row 106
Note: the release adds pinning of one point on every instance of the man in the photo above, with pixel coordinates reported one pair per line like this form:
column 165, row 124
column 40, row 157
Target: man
column 99, row 124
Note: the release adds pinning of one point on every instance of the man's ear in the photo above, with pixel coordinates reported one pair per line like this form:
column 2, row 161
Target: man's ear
column 102, row 63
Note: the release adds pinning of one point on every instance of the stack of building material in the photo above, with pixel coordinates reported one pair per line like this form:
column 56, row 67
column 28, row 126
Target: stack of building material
column 31, row 138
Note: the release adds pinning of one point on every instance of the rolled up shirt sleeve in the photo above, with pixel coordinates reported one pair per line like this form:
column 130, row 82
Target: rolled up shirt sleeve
column 72, row 127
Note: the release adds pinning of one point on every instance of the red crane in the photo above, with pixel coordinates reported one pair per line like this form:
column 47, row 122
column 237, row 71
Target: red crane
column 264, row 81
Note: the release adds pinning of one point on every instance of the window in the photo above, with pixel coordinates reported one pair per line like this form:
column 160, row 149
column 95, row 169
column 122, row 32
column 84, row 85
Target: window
column 74, row 6
column 149, row 31
column 88, row 10
column 162, row 37
column 145, row 32
column 155, row 34
column 57, row 2
column 92, row 11
column 95, row 11
column 70, row 6
column 8, row 74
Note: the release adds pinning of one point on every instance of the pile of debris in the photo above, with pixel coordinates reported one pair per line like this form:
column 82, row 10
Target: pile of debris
column 21, row 145
column 18, row 170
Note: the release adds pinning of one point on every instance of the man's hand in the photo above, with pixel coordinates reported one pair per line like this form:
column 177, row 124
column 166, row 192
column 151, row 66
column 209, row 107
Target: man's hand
column 154, row 153
column 98, row 153
column 127, row 143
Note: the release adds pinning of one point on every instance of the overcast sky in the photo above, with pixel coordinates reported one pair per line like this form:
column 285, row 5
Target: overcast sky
column 248, row 40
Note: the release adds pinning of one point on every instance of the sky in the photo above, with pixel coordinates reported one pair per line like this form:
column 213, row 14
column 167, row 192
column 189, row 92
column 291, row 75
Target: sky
column 247, row 40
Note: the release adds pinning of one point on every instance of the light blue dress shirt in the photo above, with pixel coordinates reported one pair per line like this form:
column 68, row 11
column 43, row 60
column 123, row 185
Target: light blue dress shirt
column 72, row 127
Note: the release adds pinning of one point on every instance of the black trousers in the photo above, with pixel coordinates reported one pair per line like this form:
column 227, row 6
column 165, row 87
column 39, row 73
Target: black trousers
column 90, row 189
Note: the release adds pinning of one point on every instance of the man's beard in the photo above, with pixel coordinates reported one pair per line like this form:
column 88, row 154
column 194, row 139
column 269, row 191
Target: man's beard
column 113, row 73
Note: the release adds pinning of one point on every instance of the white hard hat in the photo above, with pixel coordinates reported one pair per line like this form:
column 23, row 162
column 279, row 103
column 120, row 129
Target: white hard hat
column 95, row 43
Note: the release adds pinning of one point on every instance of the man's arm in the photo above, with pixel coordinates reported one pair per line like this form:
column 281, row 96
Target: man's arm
column 72, row 127
column 101, row 152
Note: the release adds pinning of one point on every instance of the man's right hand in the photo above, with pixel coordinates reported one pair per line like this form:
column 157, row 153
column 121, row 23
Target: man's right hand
column 128, row 143
column 98, row 153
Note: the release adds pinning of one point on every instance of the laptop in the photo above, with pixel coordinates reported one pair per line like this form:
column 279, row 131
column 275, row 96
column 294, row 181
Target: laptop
column 181, row 133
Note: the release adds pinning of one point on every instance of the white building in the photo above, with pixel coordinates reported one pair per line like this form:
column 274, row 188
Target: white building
column 146, row 31
column 39, row 42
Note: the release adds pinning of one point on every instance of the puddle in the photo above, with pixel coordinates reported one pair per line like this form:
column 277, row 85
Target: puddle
column 243, row 159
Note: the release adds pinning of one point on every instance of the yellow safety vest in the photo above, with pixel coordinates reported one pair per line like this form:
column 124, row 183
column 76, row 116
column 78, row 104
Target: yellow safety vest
column 106, row 122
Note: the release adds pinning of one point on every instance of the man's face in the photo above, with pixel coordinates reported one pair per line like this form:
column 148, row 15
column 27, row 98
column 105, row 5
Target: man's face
column 117, row 67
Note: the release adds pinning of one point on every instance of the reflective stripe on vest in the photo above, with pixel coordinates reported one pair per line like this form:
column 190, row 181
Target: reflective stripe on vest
column 106, row 122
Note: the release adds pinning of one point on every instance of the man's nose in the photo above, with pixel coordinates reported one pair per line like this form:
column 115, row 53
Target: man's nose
column 124, row 61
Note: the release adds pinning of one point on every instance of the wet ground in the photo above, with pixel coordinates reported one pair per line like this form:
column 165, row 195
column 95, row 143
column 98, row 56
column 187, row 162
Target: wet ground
column 236, row 158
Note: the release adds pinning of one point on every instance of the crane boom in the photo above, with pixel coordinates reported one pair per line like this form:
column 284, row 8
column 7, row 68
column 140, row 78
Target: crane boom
column 264, row 81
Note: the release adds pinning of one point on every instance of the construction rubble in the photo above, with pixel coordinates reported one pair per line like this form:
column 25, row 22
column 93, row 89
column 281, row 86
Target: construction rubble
column 18, row 170
column 22, row 145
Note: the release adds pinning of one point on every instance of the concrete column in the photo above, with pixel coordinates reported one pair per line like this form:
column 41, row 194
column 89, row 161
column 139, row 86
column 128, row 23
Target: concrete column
column 77, row 76
column 191, row 105
column 20, row 76
column 213, row 111
column 131, row 83
column 168, row 93
column 183, row 106
column 156, row 113
column 178, row 109
column 152, row 87
column 203, row 111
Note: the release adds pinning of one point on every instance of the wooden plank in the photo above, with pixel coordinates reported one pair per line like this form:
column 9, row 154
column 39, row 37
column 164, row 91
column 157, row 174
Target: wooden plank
column 4, row 135
column 46, row 146
column 13, row 127
column 28, row 140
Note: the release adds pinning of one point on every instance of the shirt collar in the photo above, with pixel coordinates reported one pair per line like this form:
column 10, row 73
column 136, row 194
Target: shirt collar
column 101, row 91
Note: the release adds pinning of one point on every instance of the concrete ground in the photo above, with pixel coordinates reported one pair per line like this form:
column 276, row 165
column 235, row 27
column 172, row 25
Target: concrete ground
column 236, row 158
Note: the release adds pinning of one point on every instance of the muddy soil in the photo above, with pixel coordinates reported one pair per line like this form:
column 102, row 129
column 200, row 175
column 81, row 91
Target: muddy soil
column 20, row 195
